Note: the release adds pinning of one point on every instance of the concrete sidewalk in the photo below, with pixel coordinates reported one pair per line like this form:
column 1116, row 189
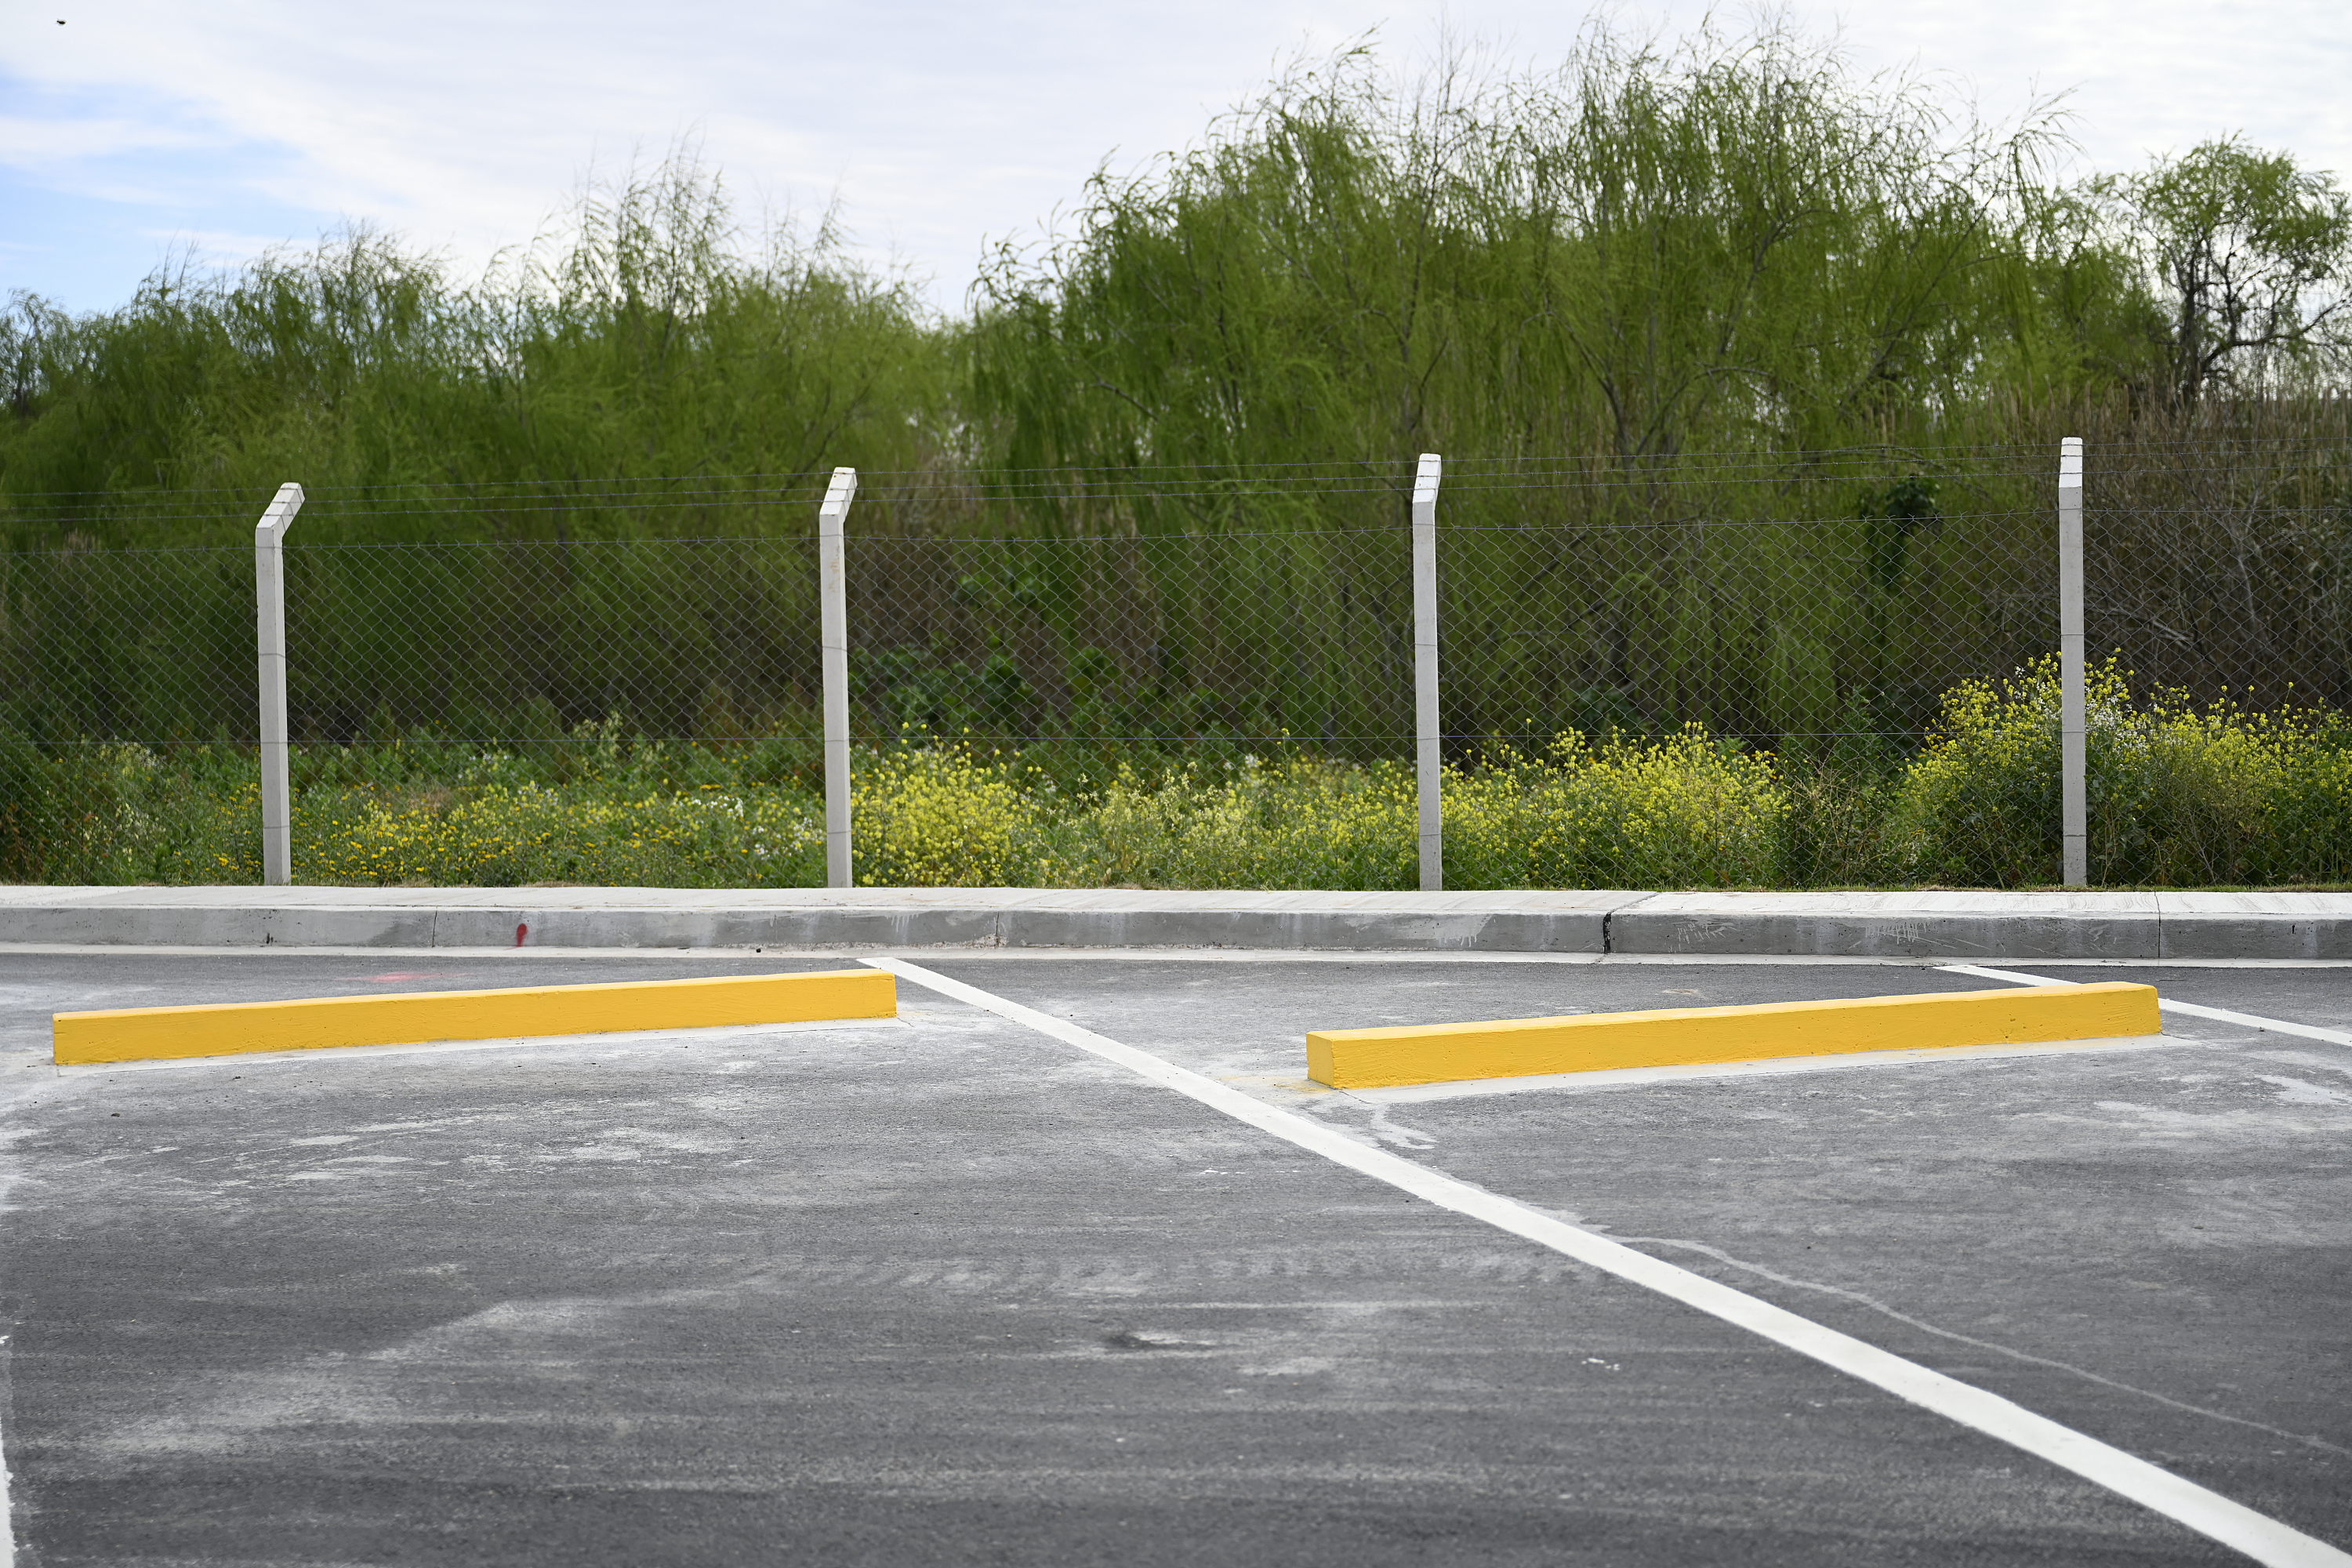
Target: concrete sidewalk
column 2121, row 925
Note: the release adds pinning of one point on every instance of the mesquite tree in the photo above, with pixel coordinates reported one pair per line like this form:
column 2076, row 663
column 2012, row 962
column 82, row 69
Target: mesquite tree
column 2251, row 254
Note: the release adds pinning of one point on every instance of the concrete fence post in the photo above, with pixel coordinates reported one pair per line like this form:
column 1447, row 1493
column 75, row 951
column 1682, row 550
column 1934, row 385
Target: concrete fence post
column 2073, row 753
column 833, row 599
column 270, row 625
column 1428, row 755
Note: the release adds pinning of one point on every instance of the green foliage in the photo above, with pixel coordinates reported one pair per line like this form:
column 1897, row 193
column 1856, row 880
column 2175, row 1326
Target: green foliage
column 2308, row 813
column 921, row 696
column 30, row 807
column 498, row 834
column 1727, row 244
column 1643, row 253
column 1297, row 822
column 1890, row 518
column 593, row 808
column 651, row 340
column 1686, row 811
column 945, row 817
column 2252, row 255
column 1689, row 811
column 106, row 813
column 2181, row 793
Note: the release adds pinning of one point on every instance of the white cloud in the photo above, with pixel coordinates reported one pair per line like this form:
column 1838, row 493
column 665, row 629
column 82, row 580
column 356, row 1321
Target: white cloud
column 37, row 143
column 938, row 124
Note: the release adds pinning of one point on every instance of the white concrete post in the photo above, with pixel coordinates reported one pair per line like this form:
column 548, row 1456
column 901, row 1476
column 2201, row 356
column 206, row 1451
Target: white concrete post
column 1428, row 757
column 269, row 603
column 832, row 598
column 2073, row 754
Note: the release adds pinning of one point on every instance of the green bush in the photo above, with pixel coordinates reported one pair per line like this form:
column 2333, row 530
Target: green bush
column 505, row 834
column 2308, row 818
column 598, row 808
column 2179, row 794
column 940, row 818
column 121, row 813
column 1689, row 811
column 1297, row 822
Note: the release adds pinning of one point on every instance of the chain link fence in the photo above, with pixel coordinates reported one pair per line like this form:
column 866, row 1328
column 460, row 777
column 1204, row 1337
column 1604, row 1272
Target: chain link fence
column 1807, row 611
column 2224, row 568
column 1824, row 611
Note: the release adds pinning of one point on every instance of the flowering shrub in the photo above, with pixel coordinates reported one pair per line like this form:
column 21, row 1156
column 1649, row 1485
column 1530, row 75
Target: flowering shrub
column 119, row 812
column 1689, row 811
column 2179, row 794
column 1295, row 823
column 941, row 818
column 2308, row 835
column 507, row 835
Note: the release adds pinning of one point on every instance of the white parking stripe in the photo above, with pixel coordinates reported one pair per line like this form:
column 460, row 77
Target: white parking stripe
column 2190, row 1009
column 2257, row 1535
column 7, row 1522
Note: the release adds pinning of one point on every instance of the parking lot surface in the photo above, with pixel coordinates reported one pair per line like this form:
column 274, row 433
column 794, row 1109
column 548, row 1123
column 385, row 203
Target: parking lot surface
column 946, row 1290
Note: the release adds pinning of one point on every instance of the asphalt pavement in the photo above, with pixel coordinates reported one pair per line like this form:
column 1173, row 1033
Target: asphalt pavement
column 944, row 1289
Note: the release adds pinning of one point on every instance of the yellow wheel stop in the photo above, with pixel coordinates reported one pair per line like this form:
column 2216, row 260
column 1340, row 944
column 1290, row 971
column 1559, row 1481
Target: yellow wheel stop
column 1673, row 1037
column 414, row 1017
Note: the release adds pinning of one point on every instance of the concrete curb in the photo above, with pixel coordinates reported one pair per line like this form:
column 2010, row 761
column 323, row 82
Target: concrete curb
column 2121, row 925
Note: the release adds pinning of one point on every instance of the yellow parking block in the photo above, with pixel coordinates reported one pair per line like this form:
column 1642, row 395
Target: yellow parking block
column 228, row 1028
column 1673, row 1037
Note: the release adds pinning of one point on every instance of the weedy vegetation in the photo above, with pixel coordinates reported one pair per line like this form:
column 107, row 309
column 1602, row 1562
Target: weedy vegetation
column 2183, row 794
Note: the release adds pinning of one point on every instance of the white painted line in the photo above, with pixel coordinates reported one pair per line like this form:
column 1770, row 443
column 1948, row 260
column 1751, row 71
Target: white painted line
column 7, row 1521
column 2208, row 1512
column 2193, row 1009
column 1771, row 1067
column 2184, row 962
column 1274, row 955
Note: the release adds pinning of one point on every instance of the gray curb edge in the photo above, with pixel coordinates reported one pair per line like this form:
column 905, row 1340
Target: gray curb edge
column 2025, row 926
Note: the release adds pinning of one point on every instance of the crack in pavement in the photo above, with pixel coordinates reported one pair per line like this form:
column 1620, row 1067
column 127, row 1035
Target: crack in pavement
column 2304, row 1438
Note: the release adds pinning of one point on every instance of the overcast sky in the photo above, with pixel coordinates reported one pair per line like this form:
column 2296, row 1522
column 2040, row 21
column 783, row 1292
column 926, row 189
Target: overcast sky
column 135, row 128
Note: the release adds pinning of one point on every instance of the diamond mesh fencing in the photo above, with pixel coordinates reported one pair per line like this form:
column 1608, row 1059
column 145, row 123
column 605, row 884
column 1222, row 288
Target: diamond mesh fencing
column 498, row 615
column 1825, row 611
column 538, row 640
column 153, row 646
column 2223, row 568
column 1818, row 611
column 1230, row 613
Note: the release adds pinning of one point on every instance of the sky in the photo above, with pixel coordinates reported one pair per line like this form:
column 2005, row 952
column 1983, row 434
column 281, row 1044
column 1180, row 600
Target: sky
column 131, row 132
